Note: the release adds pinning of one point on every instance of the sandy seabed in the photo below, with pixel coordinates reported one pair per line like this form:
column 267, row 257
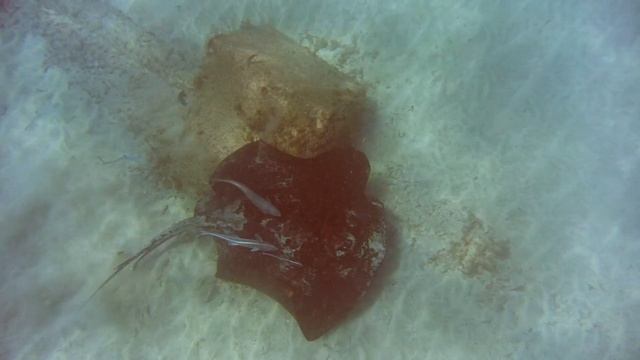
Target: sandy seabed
column 506, row 149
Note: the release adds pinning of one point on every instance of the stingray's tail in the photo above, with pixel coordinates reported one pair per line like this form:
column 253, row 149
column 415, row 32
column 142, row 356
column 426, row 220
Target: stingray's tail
column 174, row 231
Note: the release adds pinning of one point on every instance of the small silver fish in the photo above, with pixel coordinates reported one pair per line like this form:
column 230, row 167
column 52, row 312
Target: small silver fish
column 261, row 203
column 254, row 245
column 281, row 258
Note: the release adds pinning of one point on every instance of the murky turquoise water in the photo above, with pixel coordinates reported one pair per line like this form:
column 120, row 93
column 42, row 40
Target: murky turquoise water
column 505, row 147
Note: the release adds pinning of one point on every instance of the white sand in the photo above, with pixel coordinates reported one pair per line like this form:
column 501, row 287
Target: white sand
column 507, row 150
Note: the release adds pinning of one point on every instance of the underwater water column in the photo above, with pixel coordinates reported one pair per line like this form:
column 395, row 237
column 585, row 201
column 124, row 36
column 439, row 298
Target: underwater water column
column 502, row 139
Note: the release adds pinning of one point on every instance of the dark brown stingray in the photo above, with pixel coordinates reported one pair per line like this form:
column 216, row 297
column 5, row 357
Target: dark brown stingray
column 327, row 224
column 301, row 231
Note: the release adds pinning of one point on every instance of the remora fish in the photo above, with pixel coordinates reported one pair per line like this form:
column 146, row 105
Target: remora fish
column 261, row 203
column 254, row 245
